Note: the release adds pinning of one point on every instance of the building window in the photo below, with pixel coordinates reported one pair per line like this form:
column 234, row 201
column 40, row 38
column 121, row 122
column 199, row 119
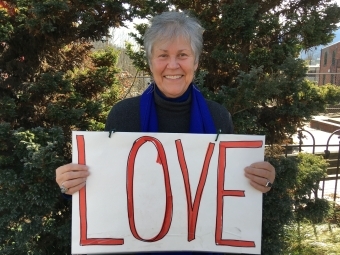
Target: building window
column 323, row 79
column 332, row 78
column 333, row 58
column 325, row 58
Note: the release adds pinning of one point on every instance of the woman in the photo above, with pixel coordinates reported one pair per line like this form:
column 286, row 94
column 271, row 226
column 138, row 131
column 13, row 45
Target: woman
column 172, row 103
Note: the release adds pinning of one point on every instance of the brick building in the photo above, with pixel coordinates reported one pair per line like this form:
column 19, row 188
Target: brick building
column 330, row 65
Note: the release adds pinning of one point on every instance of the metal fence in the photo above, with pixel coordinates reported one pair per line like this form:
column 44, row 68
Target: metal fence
column 333, row 159
column 135, row 85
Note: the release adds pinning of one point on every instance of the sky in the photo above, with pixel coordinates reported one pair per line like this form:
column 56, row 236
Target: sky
column 121, row 34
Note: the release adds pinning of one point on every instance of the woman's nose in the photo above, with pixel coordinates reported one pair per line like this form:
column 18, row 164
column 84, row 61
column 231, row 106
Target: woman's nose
column 173, row 63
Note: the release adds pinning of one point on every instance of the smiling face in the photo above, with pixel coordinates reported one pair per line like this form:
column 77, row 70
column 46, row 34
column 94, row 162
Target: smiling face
column 173, row 65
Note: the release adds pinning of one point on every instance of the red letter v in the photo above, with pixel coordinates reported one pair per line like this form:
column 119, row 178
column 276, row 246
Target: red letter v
column 193, row 207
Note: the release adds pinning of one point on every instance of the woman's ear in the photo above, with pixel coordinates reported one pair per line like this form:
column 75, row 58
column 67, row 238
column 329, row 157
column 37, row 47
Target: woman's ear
column 196, row 65
column 150, row 67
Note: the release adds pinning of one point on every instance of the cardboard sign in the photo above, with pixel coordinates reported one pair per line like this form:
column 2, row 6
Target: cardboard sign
column 166, row 192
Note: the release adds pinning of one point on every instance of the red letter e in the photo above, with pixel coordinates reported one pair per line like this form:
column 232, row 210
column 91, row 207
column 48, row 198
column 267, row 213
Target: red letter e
column 221, row 192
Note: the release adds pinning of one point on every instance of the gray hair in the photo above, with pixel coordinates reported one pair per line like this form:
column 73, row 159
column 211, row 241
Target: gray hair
column 169, row 25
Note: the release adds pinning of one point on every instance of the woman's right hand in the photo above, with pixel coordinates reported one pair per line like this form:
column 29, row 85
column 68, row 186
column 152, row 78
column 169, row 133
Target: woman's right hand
column 72, row 177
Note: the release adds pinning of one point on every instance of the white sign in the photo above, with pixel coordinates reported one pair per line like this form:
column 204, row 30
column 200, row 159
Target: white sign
column 166, row 192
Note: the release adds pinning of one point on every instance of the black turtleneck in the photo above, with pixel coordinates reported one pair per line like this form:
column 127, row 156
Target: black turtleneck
column 173, row 117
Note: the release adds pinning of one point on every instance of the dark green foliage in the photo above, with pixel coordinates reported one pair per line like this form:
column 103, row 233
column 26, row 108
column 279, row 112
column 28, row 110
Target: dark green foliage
column 312, row 169
column 51, row 82
column 278, row 206
column 33, row 215
column 289, row 200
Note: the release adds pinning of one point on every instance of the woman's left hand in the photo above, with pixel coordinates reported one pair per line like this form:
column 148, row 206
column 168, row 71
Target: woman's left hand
column 261, row 175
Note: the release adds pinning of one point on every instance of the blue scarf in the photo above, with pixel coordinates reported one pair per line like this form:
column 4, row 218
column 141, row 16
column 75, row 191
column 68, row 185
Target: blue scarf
column 201, row 121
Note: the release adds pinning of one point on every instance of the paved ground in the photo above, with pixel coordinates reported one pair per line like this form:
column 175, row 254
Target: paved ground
column 322, row 138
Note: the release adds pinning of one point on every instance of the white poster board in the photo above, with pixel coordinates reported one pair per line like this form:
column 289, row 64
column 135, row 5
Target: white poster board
column 166, row 192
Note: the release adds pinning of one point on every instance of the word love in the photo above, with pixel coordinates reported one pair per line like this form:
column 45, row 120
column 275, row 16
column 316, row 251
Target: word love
column 193, row 204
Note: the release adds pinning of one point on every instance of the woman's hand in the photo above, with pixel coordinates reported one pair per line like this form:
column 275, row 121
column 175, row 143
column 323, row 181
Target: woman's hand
column 261, row 175
column 71, row 177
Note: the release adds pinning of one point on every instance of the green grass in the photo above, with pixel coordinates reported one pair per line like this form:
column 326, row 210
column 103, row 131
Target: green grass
column 315, row 239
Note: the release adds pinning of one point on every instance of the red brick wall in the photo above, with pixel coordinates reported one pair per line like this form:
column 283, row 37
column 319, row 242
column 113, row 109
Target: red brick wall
column 329, row 68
